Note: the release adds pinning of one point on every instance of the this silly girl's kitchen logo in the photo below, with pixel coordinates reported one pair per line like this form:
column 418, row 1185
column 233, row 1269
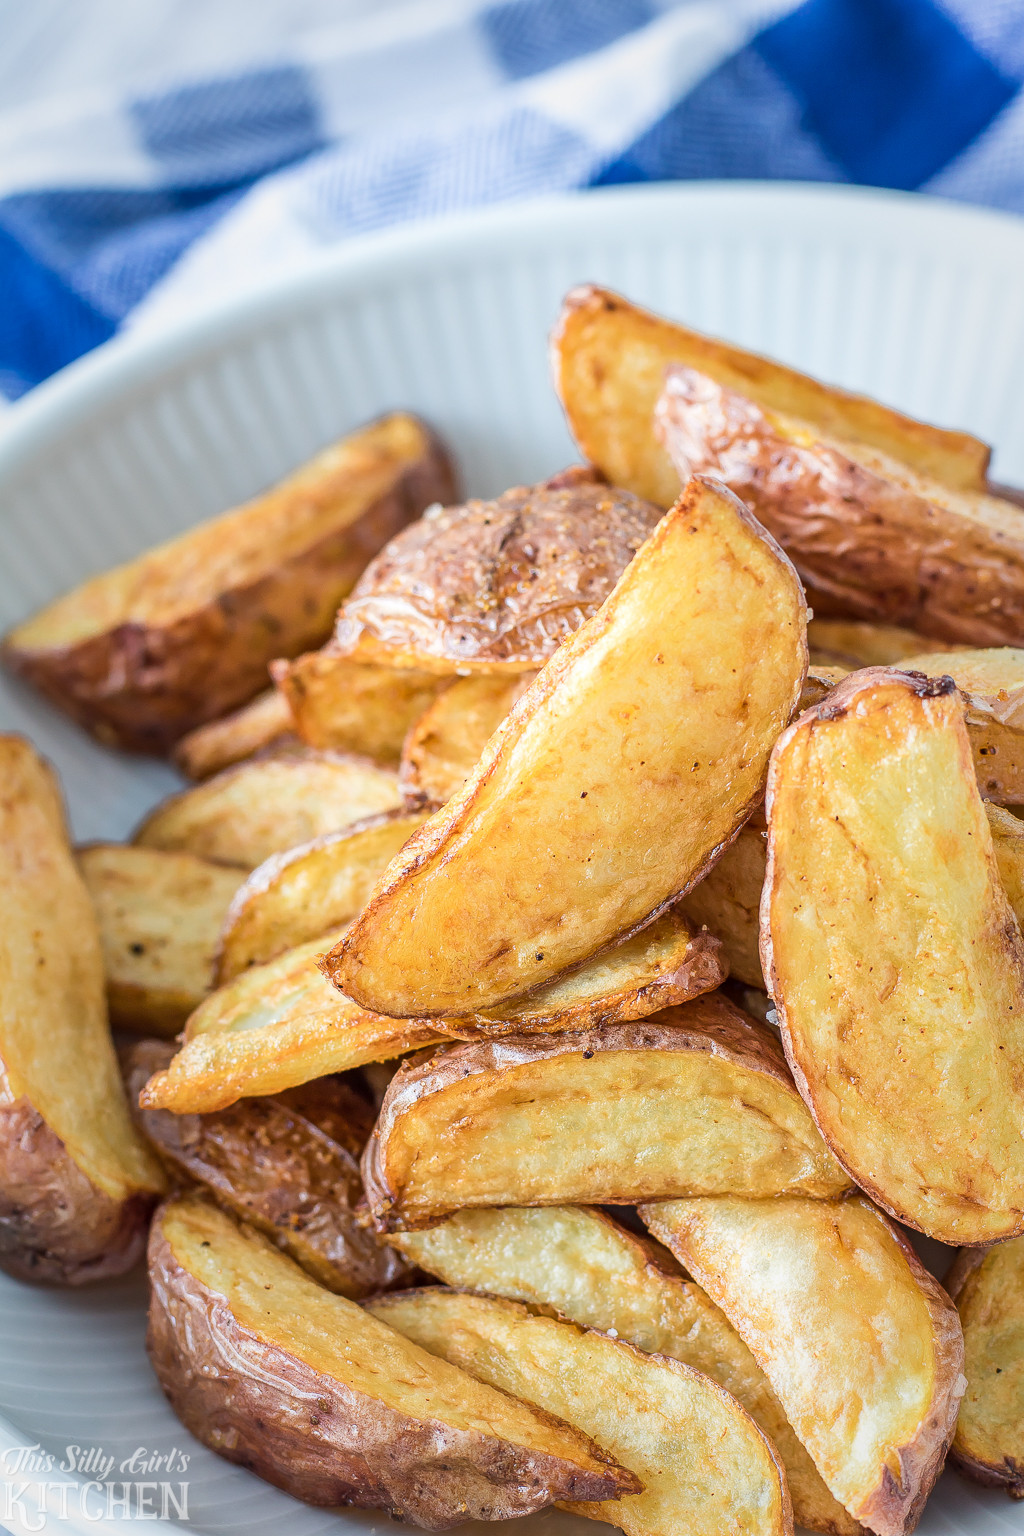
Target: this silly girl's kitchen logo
column 88, row 1483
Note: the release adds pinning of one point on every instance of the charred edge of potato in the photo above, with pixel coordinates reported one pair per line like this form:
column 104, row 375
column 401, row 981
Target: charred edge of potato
column 265, row 721
column 1007, row 1473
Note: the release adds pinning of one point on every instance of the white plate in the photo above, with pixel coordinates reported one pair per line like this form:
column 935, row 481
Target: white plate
column 916, row 301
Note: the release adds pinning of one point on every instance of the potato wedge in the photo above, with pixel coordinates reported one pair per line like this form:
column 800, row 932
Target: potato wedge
column 351, row 706
column 894, row 957
column 314, row 1394
column 696, row 1098
column 987, row 1285
column 861, row 1344
column 992, row 685
column 269, row 1164
column 209, row 749
column 595, row 1273
column 154, row 648
column 269, row 805
column 871, row 538
column 447, row 741
column 76, row 1181
column 274, row 1027
column 704, row 1465
column 160, row 915
column 728, row 899
column 585, row 817
column 1008, row 845
column 609, row 359
column 297, row 896
column 854, row 643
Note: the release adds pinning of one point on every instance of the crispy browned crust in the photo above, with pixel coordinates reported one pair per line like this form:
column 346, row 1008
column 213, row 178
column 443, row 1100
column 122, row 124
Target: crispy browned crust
column 141, row 688
column 321, row 1440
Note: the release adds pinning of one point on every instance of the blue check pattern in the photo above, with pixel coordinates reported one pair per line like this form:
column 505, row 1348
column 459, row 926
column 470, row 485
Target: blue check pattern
column 231, row 178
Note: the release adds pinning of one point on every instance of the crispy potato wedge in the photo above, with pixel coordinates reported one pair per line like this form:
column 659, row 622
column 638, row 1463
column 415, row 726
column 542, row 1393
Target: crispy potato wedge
column 269, row 805
column 585, row 817
column 151, row 649
column 447, row 741
column 609, row 359
column 297, row 896
column 704, row 1465
column 696, row 1098
column 992, row 685
column 209, row 749
column 987, row 1285
column 871, row 538
column 495, row 586
column 314, row 1394
column 894, row 957
column 271, row 1165
column 160, row 915
column 728, row 899
column 595, row 1273
column 77, row 1183
column 1008, row 845
column 274, row 1027
column 854, row 643
column 861, row 1344
column 352, row 706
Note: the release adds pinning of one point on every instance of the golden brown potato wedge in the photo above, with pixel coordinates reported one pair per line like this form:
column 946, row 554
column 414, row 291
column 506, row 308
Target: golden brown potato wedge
column 696, row 1098
column 987, row 1285
column 447, row 741
column 894, row 957
column 704, row 1465
column 728, row 898
column 269, row 805
column 270, row 1164
column 160, row 915
column 1008, row 845
column 76, row 1181
column 148, row 651
column 854, row 643
column 585, row 817
column 871, row 538
column 274, row 1027
column 317, row 1396
column 595, row 1273
column 209, row 749
column 351, row 706
column 992, row 685
column 297, row 896
column 609, row 359
column 861, row 1344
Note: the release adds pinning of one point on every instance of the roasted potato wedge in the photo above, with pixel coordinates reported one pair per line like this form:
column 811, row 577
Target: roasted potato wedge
column 987, row 1285
column 271, row 1165
column 148, row 651
column 854, row 643
column 992, row 685
column 274, row 1027
column 446, row 743
column 728, row 898
column 350, row 706
column 296, row 896
column 269, row 805
column 76, row 1181
column 609, row 359
column 585, row 817
column 595, row 1273
column 495, row 586
column 871, row 538
column 265, row 722
column 314, row 1394
column 894, row 957
column 160, row 915
column 704, row 1466
column 696, row 1098
column 861, row 1344
column 1008, row 845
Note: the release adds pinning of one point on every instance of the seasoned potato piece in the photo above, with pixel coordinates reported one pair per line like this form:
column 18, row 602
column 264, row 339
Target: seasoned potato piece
column 148, row 651
column 276, row 1026
column 854, row 643
column 992, row 685
column 697, row 1098
column 871, row 538
column 987, row 1285
column 599, row 1275
column 269, row 805
column 296, row 896
column 76, row 1181
column 351, row 706
column 1008, row 845
column 209, row 749
column 446, row 743
column 609, row 359
column 728, row 898
column 704, row 1466
column 861, row 1344
column 894, row 957
column 317, row 1396
column 160, row 915
column 270, row 1164
column 585, row 817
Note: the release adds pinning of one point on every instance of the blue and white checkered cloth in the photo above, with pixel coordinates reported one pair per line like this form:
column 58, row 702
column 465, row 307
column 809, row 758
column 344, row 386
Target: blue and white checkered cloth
column 153, row 195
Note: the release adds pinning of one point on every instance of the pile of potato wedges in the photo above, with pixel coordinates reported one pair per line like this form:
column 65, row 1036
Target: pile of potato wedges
column 573, row 973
